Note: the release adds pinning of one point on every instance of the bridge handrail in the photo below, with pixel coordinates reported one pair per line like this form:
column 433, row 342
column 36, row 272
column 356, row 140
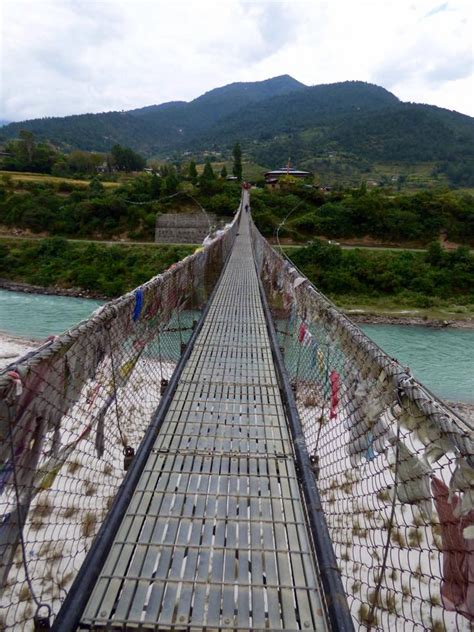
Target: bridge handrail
column 106, row 313
column 429, row 404
column 382, row 447
column 72, row 415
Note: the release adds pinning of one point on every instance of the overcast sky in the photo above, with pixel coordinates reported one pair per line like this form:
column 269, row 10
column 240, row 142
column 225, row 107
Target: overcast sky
column 62, row 57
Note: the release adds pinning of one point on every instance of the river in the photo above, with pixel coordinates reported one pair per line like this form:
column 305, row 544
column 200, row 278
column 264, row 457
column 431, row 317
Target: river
column 41, row 315
column 440, row 359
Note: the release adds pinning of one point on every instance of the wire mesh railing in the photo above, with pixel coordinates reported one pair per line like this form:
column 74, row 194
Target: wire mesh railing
column 394, row 465
column 72, row 414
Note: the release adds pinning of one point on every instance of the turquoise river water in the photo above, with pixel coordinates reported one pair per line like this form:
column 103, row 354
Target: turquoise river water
column 442, row 359
column 40, row 315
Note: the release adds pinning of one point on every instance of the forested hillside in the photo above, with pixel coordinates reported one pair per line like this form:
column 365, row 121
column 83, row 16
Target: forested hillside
column 335, row 129
column 156, row 128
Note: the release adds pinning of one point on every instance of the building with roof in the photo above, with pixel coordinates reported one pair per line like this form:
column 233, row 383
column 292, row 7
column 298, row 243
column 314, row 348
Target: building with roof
column 272, row 177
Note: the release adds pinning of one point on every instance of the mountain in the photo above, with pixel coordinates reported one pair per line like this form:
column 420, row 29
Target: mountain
column 351, row 118
column 346, row 127
column 334, row 128
column 298, row 111
column 221, row 102
column 3, row 122
column 157, row 127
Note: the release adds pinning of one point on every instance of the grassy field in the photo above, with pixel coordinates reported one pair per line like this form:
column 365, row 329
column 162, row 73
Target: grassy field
column 415, row 177
column 401, row 177
column 24, row 176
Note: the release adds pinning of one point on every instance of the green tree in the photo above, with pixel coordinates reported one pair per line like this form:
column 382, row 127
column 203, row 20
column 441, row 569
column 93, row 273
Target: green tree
column 171, row 184
column 84, row 162
column 96, row 188
column 60, row 167
column 25, row 154
column 237, row 168
column 435, row 254
column 27, row 146
column 155, row 187
column 125, row 159
column 208, row 173
column 207, row 181
column 224, row 172
column 193, row 174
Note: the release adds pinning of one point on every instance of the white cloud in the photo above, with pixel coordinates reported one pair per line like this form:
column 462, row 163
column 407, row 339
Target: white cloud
column 72, row 56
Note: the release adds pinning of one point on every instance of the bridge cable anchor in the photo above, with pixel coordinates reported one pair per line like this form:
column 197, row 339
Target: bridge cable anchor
column 42, row 622
column 314, row 460
column 128, row 454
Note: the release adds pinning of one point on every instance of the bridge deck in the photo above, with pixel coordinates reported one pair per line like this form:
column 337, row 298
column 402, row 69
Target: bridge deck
column 215, row 536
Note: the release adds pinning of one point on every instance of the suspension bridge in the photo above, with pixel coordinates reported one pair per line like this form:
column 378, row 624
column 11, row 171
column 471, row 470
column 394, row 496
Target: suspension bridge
column 222, row 449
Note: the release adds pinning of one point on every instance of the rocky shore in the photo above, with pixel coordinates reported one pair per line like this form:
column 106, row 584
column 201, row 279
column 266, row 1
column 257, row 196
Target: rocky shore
column 13, row 347
column 463, row 409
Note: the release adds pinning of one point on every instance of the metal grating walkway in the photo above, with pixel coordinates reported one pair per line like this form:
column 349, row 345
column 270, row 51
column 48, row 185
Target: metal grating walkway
column 215, row 537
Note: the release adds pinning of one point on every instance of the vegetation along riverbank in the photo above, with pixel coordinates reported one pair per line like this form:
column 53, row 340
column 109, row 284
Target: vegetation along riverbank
column 97, row 270
column 434, row 287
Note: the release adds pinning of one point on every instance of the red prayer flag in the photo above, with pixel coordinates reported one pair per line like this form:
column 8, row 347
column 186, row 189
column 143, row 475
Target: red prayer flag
column 335, row 380
column 302, row 332
column 457, row 586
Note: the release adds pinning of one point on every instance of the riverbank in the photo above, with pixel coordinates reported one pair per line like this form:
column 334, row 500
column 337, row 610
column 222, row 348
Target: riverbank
column 391, row 310
column 85, row 270
column 27, row 288
column 368, row 316
column 463, row 409
column 402, row 319
column 13, row 347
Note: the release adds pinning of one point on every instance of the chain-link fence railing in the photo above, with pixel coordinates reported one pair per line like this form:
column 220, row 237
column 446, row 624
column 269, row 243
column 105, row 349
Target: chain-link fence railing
column 72, row 414
column 394, row 465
